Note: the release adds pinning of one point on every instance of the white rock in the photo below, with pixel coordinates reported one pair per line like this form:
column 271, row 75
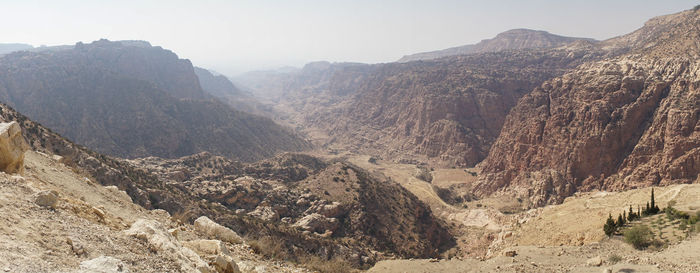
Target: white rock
column 317, row 223
column 103, row 264
column 214, row 230
column 162, row 241
column 12, row 148
column 595, row 261
column 207, row 247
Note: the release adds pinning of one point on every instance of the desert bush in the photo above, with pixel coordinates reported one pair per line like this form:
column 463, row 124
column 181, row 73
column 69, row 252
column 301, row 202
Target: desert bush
column 327, row 266
column 614, row 258
column 639, row 236
column 269, row 248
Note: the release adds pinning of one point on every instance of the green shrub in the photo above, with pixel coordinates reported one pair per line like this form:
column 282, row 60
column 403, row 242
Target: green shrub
column 614, row 258
column 610, row 227
column 638, row 236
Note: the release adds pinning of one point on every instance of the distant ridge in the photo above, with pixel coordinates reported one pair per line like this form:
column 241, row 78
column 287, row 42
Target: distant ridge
column 130, row 99
column 508, row 40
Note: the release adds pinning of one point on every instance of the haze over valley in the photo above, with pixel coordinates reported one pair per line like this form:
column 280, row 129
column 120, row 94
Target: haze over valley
column 566, row 149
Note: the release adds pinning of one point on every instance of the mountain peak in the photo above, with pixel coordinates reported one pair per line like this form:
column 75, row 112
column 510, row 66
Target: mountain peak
column 519, row 38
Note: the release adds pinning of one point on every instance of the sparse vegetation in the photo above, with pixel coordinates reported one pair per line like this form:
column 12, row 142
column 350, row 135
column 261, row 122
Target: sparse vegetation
column 638, row 236
column 612, row 226
column 614, row 258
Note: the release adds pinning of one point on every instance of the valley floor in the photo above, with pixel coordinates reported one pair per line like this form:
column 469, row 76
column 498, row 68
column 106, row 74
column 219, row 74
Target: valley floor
column 558, row 238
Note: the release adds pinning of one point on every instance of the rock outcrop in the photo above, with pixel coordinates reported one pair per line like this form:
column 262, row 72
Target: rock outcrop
column 449, row 110
column 12, row 148
column 159, row 239
column 625, row 122
column 103, row 264
column 309, row 204
column 206, row 226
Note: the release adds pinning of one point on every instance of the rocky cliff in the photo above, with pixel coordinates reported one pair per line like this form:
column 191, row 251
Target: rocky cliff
column 623, row 122
column 448, row 110
column 131, row 100
column 508, row 40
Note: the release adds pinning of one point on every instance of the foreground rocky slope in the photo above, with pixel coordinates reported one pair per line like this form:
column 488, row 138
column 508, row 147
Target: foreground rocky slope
column 56, row 220
column 624, row 122
column 130, row 99
column 293, row 207
column 334, row 200
column 508, row 40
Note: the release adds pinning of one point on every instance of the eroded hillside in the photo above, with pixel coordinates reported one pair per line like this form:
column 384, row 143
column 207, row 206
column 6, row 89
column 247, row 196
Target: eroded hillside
column 625, row 122
column 134, row 100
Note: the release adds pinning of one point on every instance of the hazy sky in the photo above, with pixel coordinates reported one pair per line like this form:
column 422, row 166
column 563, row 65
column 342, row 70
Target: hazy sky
column 236, row 36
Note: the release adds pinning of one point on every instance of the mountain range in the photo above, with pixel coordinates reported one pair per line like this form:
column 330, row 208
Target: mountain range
column 130, row 99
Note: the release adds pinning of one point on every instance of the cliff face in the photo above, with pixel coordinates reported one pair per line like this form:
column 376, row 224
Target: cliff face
column 509, row 40
column 447, row 110
column 132, row 101
column 620, row 123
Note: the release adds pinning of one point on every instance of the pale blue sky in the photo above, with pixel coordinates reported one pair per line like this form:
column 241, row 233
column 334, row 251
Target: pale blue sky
column 236, row 36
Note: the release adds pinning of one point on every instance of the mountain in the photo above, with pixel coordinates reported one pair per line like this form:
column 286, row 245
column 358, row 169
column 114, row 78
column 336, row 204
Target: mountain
column 448, row 111
column 216, row 84
column 222, row 88
column 627, row 121
column 132, row 100
column 266, row 84
column 9, row 48
column 508, row 40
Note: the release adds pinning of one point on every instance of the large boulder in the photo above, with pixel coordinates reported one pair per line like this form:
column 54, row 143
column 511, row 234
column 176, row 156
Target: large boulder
column 207, row 247
column 47, row 199
column 214, row 230
column 12, row 148
column 161, row 241
column 103, row 264
column 317, row 223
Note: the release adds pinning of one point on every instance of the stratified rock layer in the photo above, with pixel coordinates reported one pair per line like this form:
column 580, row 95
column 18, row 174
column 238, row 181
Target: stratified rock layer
column 626, row 122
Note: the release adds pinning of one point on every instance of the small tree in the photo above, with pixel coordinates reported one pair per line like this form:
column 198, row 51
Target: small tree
column 609, row 227
column 630, row 215
column 653, row 208
column 620, row 221
column 646, row 210
column 639, row 212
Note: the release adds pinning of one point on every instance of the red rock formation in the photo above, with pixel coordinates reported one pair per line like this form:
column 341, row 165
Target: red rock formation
column 620, row 123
